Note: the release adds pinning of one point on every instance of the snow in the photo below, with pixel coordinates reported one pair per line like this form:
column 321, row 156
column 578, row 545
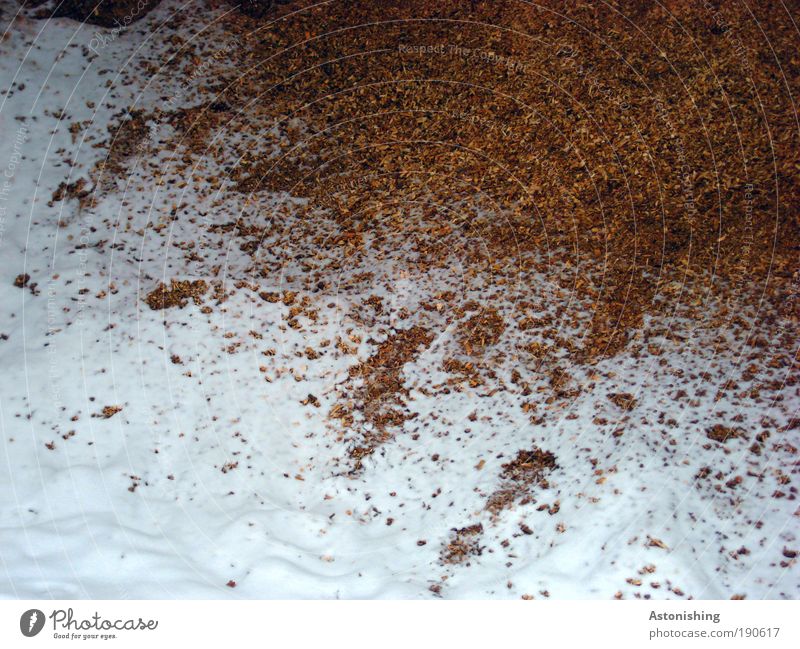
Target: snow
column 147, row 503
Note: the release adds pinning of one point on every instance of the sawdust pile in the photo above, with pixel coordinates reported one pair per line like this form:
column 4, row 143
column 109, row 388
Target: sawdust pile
column 637, row 143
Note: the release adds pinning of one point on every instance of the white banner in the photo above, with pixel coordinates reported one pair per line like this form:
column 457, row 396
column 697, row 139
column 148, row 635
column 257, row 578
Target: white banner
column 355, row 624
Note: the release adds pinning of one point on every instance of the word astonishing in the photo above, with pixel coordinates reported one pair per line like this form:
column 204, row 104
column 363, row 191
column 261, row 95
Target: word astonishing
column 66, row 620
column 686, row 616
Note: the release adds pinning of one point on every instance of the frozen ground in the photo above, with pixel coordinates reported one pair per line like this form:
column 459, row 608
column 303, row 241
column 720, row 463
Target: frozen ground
column 155, row 453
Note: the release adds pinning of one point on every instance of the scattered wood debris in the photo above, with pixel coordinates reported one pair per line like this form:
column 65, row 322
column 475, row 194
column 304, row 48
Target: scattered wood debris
column 177, row 294
column 465, row 543
column 722, row 434
column 529, row 469
column 378, row 394
column 108, row 411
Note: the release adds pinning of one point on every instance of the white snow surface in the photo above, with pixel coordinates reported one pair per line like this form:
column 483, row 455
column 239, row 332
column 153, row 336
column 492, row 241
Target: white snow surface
column 214, row 471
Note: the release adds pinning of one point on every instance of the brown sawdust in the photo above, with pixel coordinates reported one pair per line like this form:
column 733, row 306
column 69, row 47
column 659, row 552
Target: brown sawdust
column 380, row 391
column 176, row 294
column 527, row 470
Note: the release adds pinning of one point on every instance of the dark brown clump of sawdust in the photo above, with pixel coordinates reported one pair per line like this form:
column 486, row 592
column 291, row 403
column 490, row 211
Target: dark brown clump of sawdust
column 463, row 544
column 623, row 400
column 529, row 469
column 259, row 8
column 722, row 434
column 21, row 281
column 177, row 294
column 77, row 190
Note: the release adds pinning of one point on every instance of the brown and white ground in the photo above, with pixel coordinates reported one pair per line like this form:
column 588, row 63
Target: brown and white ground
column 423, row 299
